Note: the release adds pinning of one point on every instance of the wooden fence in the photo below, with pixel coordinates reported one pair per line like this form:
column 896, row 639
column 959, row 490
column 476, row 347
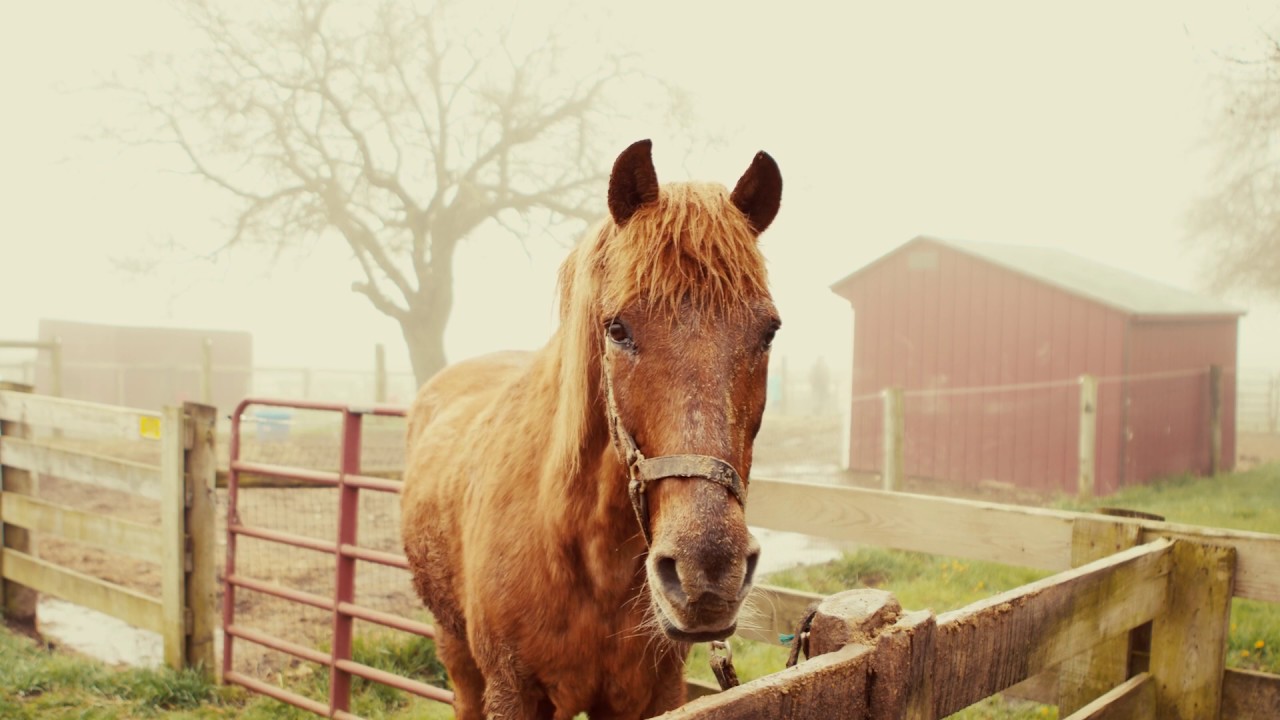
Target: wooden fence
column 1077, row 639
column 893, row 435
column 182, row 545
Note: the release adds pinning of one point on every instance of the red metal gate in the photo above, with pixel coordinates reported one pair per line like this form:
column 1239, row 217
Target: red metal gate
column 349, row 482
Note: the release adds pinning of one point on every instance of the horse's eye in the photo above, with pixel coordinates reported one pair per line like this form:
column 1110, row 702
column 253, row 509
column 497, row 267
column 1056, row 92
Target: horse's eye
column 769, row 334
column 620, row 334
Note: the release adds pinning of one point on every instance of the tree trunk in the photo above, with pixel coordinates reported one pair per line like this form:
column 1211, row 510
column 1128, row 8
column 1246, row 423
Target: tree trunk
column 423, row 332
column 428, row 316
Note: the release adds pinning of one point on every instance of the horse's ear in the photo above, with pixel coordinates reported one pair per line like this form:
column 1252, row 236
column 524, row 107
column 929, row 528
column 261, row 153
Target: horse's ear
column 759, row 192
column 633, row 182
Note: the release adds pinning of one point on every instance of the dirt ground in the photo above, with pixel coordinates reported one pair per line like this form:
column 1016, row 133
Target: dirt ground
column 799, row 448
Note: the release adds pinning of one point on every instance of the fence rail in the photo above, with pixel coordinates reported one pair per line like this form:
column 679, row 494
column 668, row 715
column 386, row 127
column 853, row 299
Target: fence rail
column 181, row 544
column 873, row 661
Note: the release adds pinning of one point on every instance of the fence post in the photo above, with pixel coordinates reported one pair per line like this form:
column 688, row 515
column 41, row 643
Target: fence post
column 380, row 373
column 1088, row 460
column 19, row 602
column 173, row 501
column 206, row 371
column 1189, row 639
column 894, row 457
column 345, row 575
column 201, row 528
column 55, row 367
column 1215, row 419
column 1088, row 675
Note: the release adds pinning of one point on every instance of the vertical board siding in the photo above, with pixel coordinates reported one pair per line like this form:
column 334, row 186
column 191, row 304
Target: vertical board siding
column 1169, row 417
column 930, row 319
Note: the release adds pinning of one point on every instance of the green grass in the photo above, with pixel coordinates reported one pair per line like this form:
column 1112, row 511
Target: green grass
column 1247, row 500
column 36, row 682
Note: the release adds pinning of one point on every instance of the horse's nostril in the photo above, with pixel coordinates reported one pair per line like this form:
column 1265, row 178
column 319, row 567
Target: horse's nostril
column 752, row 559
column 669, row 576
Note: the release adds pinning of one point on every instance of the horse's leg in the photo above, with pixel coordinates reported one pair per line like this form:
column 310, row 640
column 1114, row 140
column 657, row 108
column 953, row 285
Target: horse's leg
column 509, row 692
column 464, row 675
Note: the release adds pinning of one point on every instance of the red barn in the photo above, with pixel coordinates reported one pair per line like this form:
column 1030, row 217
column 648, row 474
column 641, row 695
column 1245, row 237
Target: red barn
column 988, row 342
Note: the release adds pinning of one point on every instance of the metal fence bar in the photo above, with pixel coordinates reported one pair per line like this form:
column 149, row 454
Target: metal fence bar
column 344, row 585
column 229, row 568
column 347, row 554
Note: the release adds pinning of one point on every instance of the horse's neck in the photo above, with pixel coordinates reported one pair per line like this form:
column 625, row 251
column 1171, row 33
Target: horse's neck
column 587, row 506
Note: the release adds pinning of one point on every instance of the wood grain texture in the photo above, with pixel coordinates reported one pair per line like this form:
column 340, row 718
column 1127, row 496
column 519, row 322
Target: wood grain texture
column 1189, row 640
column 122, row 475
column 1024, row 536
column 993, row 644
column 828, row 686
column 18, row 603
column 1028, row 537
column 1250, row 695
column 75, row 416
column 173, row 545
column 1106, row 665
column 202, row 536
column 115, row 534
column 120, row 602
column 1134, row 699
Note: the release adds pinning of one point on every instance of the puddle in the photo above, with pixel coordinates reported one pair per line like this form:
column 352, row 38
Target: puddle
column 784, row 550
column 96, row 635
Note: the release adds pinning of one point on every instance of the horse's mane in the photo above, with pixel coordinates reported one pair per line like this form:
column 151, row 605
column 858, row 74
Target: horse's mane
column 691, row 248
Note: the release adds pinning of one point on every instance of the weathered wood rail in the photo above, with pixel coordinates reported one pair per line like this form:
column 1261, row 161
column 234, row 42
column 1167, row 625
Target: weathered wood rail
column 182, row 545
column 885, row 663
column 1079, row 646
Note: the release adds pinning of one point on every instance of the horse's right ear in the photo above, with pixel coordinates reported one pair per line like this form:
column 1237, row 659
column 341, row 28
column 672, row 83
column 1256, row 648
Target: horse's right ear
column 758, row 193
column 633, row 182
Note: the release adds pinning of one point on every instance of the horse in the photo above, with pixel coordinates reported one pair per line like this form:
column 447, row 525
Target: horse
column 574, row 518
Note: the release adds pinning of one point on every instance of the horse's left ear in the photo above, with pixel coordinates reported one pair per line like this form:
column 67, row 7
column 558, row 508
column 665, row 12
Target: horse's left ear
column 633, row 182
column 759, row 192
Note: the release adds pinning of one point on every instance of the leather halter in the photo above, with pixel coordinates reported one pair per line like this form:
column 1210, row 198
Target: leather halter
column 642, row 470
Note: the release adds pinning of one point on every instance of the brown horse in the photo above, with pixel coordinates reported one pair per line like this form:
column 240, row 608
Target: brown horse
column 574, row 517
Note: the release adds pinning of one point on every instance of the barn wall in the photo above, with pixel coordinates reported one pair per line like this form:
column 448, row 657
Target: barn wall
column 147, row 367
column 1168, row 416
column 930, row 318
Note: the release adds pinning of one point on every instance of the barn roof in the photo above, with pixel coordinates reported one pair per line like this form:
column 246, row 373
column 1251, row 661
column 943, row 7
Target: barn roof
column 1119, row 289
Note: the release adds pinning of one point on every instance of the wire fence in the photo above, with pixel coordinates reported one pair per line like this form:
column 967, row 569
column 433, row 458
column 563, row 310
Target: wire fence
column 1029, row 435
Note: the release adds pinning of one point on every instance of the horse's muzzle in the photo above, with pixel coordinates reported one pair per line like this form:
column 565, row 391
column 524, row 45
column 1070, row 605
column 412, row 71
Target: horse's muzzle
column 699, row 594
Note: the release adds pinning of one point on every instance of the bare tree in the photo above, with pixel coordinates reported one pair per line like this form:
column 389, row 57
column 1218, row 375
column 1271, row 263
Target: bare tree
column 393, row 129
column 1239, row 221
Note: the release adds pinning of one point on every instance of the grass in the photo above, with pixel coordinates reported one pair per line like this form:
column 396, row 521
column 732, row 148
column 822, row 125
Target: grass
column 38, row 683
column 1248, row 500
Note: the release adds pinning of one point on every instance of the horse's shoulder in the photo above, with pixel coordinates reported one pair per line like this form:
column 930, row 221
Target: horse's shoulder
column 470, row 379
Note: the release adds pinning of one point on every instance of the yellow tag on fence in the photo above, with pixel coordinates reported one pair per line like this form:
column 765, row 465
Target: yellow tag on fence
column 149, row 427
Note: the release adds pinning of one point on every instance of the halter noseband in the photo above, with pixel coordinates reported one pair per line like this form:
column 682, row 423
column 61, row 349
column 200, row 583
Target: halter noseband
column 643, row 470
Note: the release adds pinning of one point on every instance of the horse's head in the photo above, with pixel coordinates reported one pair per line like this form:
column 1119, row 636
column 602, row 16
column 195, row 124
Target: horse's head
column 685, row 325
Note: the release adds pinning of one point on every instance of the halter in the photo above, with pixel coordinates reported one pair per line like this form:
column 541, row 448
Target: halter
column 642, row 470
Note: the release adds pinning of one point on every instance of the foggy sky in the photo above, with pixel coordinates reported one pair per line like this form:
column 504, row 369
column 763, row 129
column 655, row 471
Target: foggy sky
column 1077, row 125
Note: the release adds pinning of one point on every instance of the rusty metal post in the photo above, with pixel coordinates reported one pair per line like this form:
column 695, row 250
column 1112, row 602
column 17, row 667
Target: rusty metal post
column 233, row 519
column 344, row 586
